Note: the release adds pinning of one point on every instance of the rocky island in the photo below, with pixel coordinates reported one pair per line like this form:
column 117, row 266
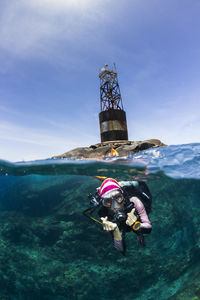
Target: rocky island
column 110, row 148
column 113, row 125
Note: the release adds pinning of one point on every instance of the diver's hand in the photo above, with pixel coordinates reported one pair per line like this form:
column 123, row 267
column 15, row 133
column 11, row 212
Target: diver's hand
column 131, row 218
column 107, row 225
column 110, row 226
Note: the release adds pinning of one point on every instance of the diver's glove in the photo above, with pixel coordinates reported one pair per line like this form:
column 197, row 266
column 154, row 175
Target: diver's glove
column 110, row 226
column 131, row 219
column 107, row 225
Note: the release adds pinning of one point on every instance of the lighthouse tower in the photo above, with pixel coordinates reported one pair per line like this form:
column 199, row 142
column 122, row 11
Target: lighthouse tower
column 112, row 118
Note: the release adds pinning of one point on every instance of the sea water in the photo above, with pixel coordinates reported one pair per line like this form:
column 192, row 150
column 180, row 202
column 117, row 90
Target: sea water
column 49, row 250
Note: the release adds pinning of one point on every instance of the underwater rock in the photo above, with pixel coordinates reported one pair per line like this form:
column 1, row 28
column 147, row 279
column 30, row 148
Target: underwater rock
column 63, row 255
column 102, row 150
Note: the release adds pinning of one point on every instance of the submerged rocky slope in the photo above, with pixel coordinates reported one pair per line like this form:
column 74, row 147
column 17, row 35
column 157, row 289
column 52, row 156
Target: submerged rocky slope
column 49, row 250
column 101, row 150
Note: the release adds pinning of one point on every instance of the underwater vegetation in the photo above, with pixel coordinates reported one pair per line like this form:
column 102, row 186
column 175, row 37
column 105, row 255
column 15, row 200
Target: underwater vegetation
column 49, row 250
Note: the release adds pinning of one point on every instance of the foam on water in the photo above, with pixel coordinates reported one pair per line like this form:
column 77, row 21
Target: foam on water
column 177, row 161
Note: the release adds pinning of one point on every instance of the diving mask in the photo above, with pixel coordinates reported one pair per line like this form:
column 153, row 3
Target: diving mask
column 115, row 198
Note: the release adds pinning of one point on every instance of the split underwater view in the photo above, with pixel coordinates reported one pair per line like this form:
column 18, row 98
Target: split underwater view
column 50, row 250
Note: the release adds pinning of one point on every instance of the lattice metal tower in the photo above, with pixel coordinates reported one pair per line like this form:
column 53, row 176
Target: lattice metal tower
column 112, row 117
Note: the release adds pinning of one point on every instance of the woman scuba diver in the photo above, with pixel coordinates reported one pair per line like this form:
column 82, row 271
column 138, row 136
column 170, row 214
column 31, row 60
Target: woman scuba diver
column 122, row 209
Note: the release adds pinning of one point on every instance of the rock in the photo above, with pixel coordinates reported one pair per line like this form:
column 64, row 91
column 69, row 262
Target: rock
column 62, row 255
column 102, row 150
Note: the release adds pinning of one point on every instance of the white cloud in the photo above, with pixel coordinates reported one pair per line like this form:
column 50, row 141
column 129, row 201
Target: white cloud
column 33, row 28
column 174, row 120
column 58, row 6
column 23, row 32
column 43, row 143
column 23, row 143
column 14, row 132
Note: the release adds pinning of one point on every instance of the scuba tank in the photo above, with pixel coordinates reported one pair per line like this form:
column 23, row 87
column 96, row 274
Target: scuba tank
column 140, row 190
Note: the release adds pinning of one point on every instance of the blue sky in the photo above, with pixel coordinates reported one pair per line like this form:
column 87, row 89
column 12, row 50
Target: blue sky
column 50, row 55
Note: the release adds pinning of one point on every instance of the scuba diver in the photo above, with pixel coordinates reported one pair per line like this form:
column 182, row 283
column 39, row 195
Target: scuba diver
column 123, row 207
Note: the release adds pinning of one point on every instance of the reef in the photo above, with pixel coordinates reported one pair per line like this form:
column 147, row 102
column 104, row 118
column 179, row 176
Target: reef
column 102, row 150
column 49, row 250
